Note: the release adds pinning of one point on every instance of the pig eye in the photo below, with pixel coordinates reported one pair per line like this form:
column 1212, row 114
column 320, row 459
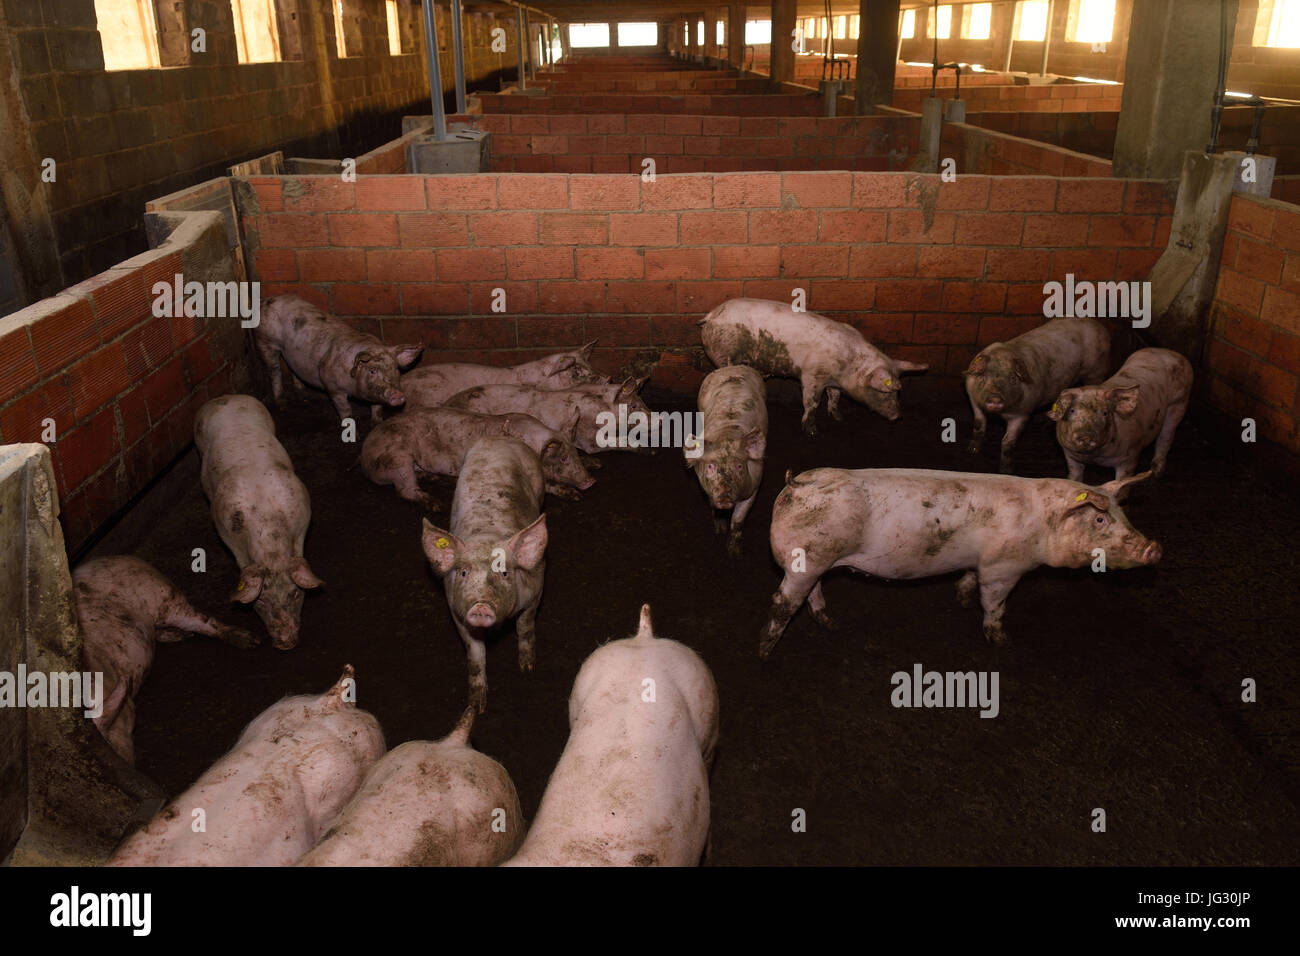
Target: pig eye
column 505, row 575
column 1101, row 519
column 464, row 572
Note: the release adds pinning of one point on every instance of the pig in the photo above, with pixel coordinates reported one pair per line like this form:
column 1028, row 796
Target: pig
column 728, row 455
column 434, row 441
column 427, row 804
column 902, row 523
column 329, row 354
column 1013, row 378
column 431, row 385
column 269, row 800
column 825, row 355
column 260, row 508
column 123, row 607
column 554, row 407
column 632, row 785
column 493, row 559
column 1111, row 423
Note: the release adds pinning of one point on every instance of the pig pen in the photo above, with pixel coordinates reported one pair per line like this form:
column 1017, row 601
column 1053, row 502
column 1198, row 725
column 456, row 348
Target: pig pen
column 1119, row 691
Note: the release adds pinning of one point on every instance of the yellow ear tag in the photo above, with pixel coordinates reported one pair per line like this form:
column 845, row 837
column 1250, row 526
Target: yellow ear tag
column 1053, row 406
column 1081, row 496
column 889, row 382
column 442, row 542
column 241, row 586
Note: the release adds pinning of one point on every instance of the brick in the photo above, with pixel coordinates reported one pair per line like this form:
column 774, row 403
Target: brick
column 471, row 264
column 880, row 190
column 1282, row 308
column 1259, row 261
column 570, row 298
column 884, row 261
column 22, row 420
column 699, row 297
column 17, row 362
column 1286, row 229
column 461, row 192
column 737, row 262
column 679, row 264
column 989, row 229
column 814, row 260
column 939, row 261
column 1022, row 193
column 1284, row 352
column 268, row 194
column 275, row 265
column 906, row 295
column 1090, row 195
column 640, row 297
column 318, row 194
column 359, row 299
column 164, row 389
column 783, row 225
column 432, row 230
column 887, row 328
column 677, row 192
column 1121, row 231
column 485, row 332
column 85, row 450
column 534, row 191
column 520, row 296
column 817, row 189
column 1240, row 291
column 746, row 190
column 434, row 298
column 604, row 192
column 596, row 263
column 945, row 328
column 385, row 193
column 120, row 297
column 148, row 346
column 966, row 192
column 1091, row 264
column 674, row 330
column 535, row 263
column 618, row 330
column 1003, row 328
column 979, row 297
column 708, row 228
column 1053, row 231
column 1017, row 264
column 292, row 231
column 574, row 228
column 1250, row 216
column 503, row 228
column 550, row 331
column 832, row 294
column 60, row 336
column 906, row 225
column 398, row 265
column 1272, row 385
column 643, row 229
column 852, row 225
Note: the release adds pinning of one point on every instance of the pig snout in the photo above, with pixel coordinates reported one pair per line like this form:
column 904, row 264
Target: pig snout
column 1152, row 553
column 480, row 615
column 393, row 397
column 994, row 403
column 587, row 483
column 284, row 633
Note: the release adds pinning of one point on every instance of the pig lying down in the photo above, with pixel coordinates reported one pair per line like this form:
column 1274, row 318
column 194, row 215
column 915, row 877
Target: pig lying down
column 902, row 523
column 427, row 804
column 632, row 786
column 329, row 354
column 432, row 384
column 727, row 456
column 493, row 560
column 123, row 607
column 1111, row 423
column 435, row 441
column 1013, row 378
column 825, row 355
column 260, row 508
column 272, row 797
column 556, row 407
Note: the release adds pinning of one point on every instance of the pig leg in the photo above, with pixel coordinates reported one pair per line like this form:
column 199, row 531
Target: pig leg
column 121, row 734
column 407, row 484
column 1015, row 426
column 981, row 424
column 476, row 653
column 1173, row 416
column 967, row 588
column 812, row 396
column 179, row 615
column 1075, row 466
column 340, row 401
column 817, row 604
column 525, row 629
column 376, row 413
column 563, row 491
column 994, row 588
column 785, row 602
column 737, row 519
column 833, row 403
column 270, row 355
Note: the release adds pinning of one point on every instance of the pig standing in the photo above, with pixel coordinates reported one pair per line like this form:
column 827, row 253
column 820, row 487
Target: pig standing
column 823, row 354
column 555, row 407
column 1111, row 423
column 632, row 786
column 493, row 559
column 431, row 385
column 269, row 800
column 260, row 508
column 427, row 804
column 902, row 523
column 1013, row 378
column 728, row 455
column 330, row 354
column 434, row 441
column 123, row 607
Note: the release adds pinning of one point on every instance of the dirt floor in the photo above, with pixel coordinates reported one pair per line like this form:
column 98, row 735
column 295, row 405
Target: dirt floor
column 1119, row 690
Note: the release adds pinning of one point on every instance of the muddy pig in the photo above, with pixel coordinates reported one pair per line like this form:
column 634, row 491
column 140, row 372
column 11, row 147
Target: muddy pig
column 555, row 407
column 1111, row 423
column 260, row 508
column 728, row 456
column 269, row 800
column 427, row 804
column 1013, row 378
column 124, row 606
column 330, row 354
column 823, row 354
column 434, row 441
column 432, row 384
column 901, row 523
column 493, row 560
column 632, row 786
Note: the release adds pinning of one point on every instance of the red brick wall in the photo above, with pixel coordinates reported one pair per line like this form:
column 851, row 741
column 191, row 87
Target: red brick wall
column 121, row 386
column 1252, row 358
column 798, row 104
column 612, row 143
column 929, row 270
column 1056, row 98
column 680, row 81
column 985, row 151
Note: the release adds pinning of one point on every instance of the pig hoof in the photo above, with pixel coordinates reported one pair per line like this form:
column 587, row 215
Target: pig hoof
column 995, row 635
column 974, row 448
column 238, row 637
column 810, row 428
column 824, row 619
column 765, row 645
column 733, row 546
column 478, row 699
column 527, row 663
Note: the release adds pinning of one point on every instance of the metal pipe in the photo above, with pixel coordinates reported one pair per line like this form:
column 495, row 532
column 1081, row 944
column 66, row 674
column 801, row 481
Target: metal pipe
column 458, row 55
column 435, row 74
column 1047, row 34
column 519, row 43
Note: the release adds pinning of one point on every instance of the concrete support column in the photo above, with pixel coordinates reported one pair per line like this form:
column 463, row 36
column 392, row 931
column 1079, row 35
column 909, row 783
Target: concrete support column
column 736, row 35
column 1170, row 80
column 783, row 19
column 877, row 53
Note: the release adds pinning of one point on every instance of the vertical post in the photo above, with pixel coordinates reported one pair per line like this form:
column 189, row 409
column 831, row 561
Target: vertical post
column 435, row 75
column 528, row 38
column 458, row 55
column 522, row 47
column 1047, row 34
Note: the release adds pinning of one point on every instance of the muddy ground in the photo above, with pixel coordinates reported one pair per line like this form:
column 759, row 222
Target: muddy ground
column 1119, row 690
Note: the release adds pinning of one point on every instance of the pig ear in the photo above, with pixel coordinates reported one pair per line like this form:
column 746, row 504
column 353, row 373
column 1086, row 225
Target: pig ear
column 1089, row 497
column 251, row 579
column 1124, row 400
column 561, row 363
column 363, row 358
column 572, row 428
column 1022, row 373
column 632, row 386
column 882, row 380
column 1119, row 488
column 692, row 449
column 404, row 355
column 440, row 547
column 303, row 577
column 978, row 364
column 911, row 366
column 529, row 545
column 755, row 443
column 1061, row 406
column 584, row 353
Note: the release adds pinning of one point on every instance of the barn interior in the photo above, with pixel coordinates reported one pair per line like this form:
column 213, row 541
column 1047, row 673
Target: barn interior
column 504, row 181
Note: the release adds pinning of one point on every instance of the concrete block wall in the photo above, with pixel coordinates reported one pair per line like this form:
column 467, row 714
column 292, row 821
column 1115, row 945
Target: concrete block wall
column 1252, row 360
column 930, row 270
